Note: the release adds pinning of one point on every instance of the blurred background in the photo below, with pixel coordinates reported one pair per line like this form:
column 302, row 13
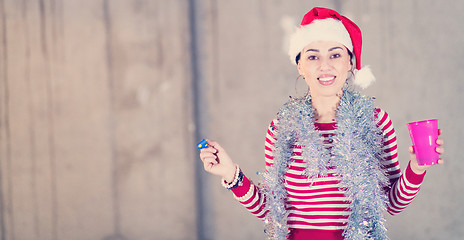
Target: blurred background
column 103, row 101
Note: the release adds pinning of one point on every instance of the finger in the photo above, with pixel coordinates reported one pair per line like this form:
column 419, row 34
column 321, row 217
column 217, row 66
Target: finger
column 441, row 161
column 208, row 166
column 208, row 162
column 210, row 142
column 209, row 149
column 440, row 141
column 215, row 145
column 440, row 150
column 204, row 155
column 411, row 149
column 439, row 132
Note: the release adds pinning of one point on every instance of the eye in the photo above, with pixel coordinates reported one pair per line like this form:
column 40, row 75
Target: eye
column 312, row 57
column 336, row 55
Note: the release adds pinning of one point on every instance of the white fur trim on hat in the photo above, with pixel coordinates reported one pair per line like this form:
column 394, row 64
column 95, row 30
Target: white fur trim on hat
column 364, row 77
column 327, row 29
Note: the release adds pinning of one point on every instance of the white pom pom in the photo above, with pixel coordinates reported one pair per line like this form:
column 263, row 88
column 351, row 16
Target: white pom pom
column 364, row 77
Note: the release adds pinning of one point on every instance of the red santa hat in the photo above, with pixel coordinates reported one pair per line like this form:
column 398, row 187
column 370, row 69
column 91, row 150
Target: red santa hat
column 322, row 24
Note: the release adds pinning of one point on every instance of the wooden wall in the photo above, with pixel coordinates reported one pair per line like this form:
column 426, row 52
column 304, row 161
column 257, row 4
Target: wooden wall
column 102, row 102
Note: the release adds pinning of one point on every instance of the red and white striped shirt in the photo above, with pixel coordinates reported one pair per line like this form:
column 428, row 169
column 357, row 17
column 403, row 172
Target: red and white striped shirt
column 322, row 209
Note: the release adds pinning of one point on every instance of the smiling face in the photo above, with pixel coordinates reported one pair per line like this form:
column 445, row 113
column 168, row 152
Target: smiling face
column 325, row 66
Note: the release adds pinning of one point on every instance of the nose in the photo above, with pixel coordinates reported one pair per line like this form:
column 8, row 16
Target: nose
column 325, row 64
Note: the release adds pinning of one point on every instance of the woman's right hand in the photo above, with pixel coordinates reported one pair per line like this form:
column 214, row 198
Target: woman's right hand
column 217, row 161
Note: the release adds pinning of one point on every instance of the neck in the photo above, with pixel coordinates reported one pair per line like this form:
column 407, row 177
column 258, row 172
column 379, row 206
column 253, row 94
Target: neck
column 325, row 108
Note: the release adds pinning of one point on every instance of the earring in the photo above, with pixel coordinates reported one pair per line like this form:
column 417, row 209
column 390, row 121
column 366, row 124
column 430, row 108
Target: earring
column 296, row 88
column 349, row 80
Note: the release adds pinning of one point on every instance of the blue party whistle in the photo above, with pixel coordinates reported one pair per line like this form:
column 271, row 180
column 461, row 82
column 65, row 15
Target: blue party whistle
column 202, row 144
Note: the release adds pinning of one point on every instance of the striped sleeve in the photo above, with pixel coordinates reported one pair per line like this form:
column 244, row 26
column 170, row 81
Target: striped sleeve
column 250, row 195
column 404, row 187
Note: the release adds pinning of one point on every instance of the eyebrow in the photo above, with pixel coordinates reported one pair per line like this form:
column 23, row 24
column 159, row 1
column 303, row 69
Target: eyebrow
column 313, row 50
column 317, row 50
column 335, row 48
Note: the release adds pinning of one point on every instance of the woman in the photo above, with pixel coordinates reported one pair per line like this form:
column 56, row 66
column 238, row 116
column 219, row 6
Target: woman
column 331, row 159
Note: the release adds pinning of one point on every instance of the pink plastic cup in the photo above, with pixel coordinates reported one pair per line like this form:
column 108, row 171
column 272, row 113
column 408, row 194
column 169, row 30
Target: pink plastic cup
column 424, row 136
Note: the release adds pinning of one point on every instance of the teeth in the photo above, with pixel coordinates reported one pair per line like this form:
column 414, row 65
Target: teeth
column 326, row 78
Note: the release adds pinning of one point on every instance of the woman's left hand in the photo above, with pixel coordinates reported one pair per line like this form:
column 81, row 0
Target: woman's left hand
column 418, row 169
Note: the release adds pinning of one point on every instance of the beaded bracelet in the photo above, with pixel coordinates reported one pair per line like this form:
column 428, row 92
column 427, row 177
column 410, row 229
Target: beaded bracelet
column 250, row 192
column 238, row 180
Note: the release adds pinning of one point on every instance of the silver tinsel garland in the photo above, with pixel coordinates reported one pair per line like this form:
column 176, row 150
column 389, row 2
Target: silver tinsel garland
column 355, row 155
